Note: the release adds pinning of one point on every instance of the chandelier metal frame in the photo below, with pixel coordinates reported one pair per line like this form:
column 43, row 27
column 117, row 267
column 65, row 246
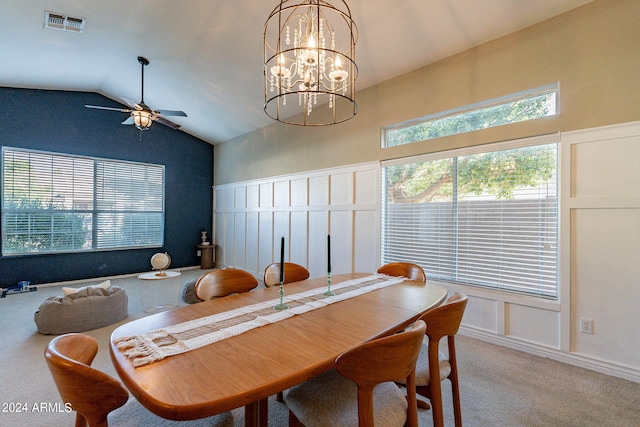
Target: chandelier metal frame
column 309, row 63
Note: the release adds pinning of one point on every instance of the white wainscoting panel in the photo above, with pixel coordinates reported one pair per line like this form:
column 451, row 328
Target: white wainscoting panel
column 319, row 190
column 533, row 324
column 317, row 238
column 240, row 234
column 366, row 243
column 253, row 196
column 266, row 240
column 482, row 313
column 299, row 192
column 602, row 167
column 300, row 229
column 240, row 197
column 341, row 188
column 601, row 261
column 250, row 247
column 342, row 238
column 251, row 217
column 606, row 283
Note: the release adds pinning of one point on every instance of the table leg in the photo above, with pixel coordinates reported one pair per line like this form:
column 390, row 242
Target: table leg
column 263, row 416
column 256, row 414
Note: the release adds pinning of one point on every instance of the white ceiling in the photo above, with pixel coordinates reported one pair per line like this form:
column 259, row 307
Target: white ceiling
column 206, row 55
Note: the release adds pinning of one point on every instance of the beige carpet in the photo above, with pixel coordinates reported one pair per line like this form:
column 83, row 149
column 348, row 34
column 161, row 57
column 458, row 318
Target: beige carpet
column 500, row 387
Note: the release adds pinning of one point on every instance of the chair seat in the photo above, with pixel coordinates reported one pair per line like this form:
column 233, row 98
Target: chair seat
column 133, row 414
column 330, row 400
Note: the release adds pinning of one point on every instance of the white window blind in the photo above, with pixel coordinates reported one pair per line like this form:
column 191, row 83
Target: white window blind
column 485, row 219
column 63, row 203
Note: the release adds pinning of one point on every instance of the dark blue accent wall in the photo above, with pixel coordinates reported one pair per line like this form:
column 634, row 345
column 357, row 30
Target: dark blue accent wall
column 57, row 121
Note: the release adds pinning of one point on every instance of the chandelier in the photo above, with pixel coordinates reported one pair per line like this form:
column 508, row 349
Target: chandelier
column 309, row 67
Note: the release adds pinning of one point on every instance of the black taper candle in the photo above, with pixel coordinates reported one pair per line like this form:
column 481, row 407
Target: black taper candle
column 328, row 253
column 282, row 260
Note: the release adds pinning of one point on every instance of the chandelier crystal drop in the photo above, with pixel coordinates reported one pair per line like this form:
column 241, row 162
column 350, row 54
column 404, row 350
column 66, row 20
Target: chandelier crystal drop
column 309, row 54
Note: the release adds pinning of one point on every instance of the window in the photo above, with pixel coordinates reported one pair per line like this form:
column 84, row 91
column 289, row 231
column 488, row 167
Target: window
column 480, row 218
column 529, row 105
column 63, row 203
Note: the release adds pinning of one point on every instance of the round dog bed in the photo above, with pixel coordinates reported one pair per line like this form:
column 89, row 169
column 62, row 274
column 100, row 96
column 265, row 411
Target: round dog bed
column 88, row 308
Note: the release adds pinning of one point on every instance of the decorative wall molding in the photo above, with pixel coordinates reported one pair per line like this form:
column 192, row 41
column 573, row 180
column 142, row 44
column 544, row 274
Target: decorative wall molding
column 251, row 216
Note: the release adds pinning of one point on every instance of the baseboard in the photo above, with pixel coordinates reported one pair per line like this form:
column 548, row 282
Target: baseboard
column 597, row 365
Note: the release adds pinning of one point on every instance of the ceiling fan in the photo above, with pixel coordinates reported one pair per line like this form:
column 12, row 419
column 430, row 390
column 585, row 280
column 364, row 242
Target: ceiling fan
column 140, row 114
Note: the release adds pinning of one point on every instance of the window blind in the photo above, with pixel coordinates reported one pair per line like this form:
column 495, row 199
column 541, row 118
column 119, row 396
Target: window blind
column 130, row 205
column 60, row 203
column 487, row 219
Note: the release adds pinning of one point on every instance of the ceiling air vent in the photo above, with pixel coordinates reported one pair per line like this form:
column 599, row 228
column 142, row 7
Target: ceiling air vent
column 59, row 21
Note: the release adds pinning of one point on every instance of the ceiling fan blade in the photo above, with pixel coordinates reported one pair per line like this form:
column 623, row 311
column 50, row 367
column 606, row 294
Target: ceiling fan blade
column 122, row 110
column 129, row 121
column 131, row 103
column 166, row 122
column 171, row 113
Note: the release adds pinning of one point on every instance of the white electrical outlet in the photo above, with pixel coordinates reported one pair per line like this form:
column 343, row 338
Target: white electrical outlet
column 586, row 326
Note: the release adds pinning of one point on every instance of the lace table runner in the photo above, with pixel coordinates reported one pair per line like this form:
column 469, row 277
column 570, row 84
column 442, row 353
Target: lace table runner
column 182, row 337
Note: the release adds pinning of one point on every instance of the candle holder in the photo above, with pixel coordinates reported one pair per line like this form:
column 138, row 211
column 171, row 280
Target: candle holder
column 329, row 292
column 282, row 305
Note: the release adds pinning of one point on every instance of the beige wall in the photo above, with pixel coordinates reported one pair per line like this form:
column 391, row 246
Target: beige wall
column 592, row 52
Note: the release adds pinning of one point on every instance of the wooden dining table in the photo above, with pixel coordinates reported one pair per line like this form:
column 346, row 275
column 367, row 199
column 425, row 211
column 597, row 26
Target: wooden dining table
column 246, row 369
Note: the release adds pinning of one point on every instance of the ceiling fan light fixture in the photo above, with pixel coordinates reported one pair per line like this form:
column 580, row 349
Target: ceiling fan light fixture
column 140, row 114
column 142, row 119
column 309, row 63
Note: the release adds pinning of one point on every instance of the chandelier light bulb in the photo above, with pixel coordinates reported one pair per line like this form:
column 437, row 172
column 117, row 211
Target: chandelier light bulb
column 311, row 43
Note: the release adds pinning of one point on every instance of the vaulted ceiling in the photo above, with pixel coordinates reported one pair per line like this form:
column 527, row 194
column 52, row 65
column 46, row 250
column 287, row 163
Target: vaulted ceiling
column 206, row 56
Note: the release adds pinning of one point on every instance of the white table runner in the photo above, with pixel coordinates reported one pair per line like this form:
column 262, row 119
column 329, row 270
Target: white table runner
column 182, row 337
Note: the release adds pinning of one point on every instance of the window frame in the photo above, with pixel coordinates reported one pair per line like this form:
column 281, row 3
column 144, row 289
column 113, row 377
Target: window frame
column 500, row 146
column 95, row 212
column 473, row 108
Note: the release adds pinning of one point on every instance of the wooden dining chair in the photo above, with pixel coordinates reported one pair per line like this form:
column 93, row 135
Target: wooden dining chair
column 220, row 283
column 442, row 321
column 95, row 395
column 404, row 269
column 361, row 388
column 292, row 273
